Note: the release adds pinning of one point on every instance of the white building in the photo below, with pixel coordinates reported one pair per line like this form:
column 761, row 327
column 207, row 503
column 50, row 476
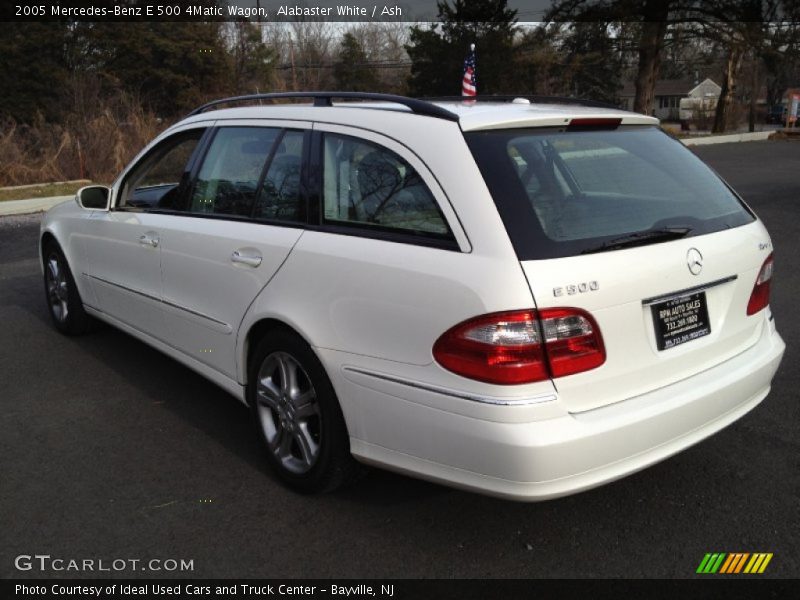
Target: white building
column 677, row 99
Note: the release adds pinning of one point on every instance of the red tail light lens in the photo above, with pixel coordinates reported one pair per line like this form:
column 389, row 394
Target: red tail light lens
column 507, row 348
column 502, row 348
column 573, row 341
column 759, row 299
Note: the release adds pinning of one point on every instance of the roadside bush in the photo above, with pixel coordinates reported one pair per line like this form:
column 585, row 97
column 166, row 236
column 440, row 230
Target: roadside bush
column 94, row 145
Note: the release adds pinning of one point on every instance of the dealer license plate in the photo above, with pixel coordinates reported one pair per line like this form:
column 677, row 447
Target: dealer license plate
column 680, row 320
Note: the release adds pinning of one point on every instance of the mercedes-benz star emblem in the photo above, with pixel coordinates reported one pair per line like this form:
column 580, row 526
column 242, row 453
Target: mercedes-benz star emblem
column 694, row 260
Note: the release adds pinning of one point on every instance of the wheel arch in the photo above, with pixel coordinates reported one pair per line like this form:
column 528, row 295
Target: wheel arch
column 46, row 238
column 55, row 232
column 255, row 332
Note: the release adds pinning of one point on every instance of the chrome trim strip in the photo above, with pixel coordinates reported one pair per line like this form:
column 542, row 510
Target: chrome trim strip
column 455, row 393
column 124, row 287
column 228, row 328
column 687, row 291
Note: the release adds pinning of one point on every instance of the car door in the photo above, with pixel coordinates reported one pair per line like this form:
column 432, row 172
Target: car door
column 242, row 216
column 122, row 245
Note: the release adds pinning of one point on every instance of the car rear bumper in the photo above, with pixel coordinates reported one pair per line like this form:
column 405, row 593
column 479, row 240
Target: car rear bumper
column 553, row 457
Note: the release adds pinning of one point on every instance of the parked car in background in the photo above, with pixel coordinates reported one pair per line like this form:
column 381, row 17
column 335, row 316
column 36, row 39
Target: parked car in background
column 521, row 298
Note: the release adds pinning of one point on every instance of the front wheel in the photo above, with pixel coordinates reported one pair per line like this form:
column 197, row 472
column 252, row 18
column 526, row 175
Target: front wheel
column 297, row 415
column 63, row 299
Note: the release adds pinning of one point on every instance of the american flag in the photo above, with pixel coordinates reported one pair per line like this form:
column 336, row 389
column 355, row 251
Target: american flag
column 469, row 86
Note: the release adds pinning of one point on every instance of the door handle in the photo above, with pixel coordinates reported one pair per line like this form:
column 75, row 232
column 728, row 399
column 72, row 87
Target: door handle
column 250, row 260
column 148, row 240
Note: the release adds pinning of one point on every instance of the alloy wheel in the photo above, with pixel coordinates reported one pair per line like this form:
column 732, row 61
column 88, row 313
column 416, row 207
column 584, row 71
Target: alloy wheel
column 288, row 412
column 57, row 288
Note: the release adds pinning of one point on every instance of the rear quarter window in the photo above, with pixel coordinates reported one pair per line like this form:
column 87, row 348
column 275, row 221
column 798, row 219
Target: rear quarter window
column 369, row 187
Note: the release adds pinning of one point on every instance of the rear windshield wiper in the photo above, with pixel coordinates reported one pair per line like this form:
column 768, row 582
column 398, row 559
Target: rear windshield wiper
column 641, row 238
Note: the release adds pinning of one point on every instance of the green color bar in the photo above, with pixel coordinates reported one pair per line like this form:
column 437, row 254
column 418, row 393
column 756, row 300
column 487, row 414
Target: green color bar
column 718, row 563
column 701, row 568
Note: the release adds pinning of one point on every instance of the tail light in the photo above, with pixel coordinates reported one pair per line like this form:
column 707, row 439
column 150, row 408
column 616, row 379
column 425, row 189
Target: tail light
column 760, row 297
column 522, row 346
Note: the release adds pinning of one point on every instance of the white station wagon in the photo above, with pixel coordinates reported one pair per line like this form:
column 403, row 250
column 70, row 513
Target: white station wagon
column 521, row 298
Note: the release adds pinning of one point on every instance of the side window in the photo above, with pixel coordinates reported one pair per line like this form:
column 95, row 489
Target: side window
column 228, row 179
column 371, row 186
column 279, row 196
column 160, row 178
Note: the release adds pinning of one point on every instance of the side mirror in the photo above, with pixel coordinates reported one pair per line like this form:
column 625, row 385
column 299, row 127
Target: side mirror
column 93, row 197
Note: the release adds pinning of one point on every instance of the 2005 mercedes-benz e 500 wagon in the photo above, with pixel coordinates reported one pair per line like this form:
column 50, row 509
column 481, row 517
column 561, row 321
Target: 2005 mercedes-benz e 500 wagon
column 520, row 298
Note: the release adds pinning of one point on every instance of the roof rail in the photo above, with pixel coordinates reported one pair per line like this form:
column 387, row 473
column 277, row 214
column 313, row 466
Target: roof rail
column 420, row 107
column 533, row 99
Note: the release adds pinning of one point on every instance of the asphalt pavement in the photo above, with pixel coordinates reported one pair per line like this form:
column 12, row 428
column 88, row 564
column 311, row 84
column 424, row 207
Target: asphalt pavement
column 110, row 450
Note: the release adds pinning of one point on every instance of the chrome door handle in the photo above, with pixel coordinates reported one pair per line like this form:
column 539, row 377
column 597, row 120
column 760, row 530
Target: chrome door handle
column 148, row 240
column 246, row 259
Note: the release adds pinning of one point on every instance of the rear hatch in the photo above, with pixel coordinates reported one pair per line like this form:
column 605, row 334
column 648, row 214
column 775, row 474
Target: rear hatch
column 627, row 224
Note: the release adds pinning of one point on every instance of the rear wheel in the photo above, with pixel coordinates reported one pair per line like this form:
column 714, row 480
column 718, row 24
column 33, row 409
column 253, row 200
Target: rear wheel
column 298, row 416
column 63, row 299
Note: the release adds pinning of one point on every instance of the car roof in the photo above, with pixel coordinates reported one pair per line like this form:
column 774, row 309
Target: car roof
column 501, row 115
column 471, row 116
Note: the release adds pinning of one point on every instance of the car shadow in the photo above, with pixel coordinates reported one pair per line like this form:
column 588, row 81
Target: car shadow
column 202, row 404
column 214, row 412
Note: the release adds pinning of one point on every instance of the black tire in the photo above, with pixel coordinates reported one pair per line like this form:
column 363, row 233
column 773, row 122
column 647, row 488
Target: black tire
column 300, row 425
column 61, row 294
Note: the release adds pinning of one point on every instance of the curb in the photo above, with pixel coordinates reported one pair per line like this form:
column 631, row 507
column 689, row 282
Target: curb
column 22, row 207
column 36, row 185
column 725, row 139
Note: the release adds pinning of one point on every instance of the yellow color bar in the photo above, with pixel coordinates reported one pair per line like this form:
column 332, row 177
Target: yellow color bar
column 764, row 564
column 751, row 564
column 755, row 562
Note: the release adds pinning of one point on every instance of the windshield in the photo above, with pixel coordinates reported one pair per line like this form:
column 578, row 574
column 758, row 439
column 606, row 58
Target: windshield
column 562, row 193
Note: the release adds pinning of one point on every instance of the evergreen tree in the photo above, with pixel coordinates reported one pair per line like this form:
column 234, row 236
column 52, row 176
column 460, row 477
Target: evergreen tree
column 171, row 67
column 253, row 61
column 593, row 63
column 33, row 69
column 437, row 53
column 351, row 71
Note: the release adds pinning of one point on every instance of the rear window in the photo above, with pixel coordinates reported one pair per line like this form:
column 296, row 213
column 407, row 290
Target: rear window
column 562, row 193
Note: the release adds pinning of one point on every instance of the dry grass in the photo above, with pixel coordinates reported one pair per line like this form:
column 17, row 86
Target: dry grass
column 47, row 190
column 94, row 146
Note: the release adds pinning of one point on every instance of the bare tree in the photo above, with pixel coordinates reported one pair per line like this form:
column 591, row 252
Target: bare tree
column 742, row 28
column 651, row 44
column 311, row 46
column 653, row 16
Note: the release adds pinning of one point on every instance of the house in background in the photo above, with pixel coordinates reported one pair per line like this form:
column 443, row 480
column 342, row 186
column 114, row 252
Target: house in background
column 677, row 99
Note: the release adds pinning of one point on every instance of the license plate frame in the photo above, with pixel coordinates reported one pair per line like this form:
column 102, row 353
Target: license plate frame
column 680, row 319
